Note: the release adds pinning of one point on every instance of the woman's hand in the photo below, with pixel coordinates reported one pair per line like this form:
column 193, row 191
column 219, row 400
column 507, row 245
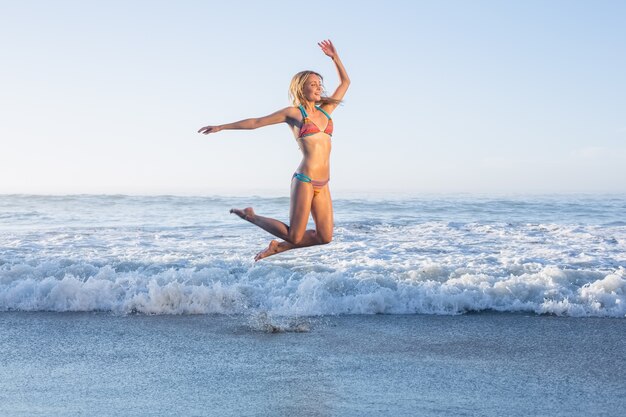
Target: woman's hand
column 344, row 81
column 328, row 48
column 209, row 129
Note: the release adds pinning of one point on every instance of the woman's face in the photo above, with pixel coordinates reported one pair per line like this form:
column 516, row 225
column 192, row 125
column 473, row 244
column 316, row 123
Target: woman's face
column 313, row 88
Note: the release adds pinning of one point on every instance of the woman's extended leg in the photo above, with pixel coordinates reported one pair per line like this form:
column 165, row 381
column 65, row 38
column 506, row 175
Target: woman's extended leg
column 322, row 210
column 299, row 212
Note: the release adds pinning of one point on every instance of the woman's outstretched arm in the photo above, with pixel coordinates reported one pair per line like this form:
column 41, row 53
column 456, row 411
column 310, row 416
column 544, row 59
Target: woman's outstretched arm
column 344, row 81
column 254, row 123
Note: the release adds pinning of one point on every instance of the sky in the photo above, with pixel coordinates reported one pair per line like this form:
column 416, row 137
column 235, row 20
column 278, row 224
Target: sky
column 446, row 96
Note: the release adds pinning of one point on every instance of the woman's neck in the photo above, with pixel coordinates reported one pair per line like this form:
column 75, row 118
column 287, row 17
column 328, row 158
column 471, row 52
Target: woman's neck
column 309, row 107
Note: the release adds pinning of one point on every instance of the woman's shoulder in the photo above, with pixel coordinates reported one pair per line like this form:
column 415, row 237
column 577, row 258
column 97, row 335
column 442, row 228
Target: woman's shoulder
column 329, row 106
column 293, row 112
column 290, row 110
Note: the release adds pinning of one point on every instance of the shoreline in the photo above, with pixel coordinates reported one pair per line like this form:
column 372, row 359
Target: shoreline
column 484, row 363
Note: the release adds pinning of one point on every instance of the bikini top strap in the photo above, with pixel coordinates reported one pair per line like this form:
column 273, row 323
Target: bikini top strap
column 304, row 115
column 322, row 110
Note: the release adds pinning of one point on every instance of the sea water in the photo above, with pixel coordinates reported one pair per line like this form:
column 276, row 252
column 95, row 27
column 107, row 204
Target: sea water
column 423, row 306
column 430, row 255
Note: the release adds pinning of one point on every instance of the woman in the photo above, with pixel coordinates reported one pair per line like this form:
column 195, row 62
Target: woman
column 309, row 119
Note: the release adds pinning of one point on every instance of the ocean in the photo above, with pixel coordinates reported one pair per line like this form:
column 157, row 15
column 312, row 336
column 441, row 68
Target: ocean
column 432, row 305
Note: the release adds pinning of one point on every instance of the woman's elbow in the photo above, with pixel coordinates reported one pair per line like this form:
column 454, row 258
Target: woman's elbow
column 254, row 124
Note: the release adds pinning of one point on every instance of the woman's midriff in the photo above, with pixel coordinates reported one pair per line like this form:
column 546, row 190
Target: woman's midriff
column 315, row 156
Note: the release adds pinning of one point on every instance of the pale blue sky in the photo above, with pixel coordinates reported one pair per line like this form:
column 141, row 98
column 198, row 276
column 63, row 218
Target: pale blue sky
column 446, row 96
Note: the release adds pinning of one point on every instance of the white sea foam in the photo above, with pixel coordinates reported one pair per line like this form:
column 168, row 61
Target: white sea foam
column 283, row 292
column 187, row 256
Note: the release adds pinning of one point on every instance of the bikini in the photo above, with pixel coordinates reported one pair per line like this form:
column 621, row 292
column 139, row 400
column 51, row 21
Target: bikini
column 309, row 128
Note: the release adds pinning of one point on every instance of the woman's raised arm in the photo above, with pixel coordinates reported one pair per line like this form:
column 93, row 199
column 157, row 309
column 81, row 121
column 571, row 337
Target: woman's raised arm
column 344, row 81
column 254, row 123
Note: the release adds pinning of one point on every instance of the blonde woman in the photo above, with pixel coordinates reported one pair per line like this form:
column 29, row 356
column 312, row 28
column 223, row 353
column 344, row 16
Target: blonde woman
column 309, row 119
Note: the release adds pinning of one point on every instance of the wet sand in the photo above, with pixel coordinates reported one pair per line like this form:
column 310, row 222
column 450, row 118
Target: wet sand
column 491, row 364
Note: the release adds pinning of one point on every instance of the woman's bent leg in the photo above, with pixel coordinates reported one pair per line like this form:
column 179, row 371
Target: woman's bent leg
column 299, row 212
column 273, row 226
column 322, row 210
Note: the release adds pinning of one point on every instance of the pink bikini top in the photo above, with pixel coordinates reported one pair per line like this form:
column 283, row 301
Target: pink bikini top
column 309, row 128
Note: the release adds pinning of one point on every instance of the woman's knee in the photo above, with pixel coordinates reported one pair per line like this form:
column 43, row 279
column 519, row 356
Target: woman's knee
column 325, row 238
column 295, row 238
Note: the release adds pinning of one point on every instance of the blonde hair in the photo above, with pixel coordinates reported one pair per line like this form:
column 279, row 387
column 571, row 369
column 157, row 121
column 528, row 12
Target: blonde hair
column 296, row 89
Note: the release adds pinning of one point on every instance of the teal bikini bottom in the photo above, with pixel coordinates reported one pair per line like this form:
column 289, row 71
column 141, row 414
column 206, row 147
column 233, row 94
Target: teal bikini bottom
column 317, row 185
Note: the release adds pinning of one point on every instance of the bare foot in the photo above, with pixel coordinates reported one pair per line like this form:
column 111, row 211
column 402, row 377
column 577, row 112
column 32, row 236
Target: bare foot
column 272, row 249
column 246, row 214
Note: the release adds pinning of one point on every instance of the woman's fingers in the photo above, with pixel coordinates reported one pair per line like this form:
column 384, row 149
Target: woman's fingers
column 327, row 47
